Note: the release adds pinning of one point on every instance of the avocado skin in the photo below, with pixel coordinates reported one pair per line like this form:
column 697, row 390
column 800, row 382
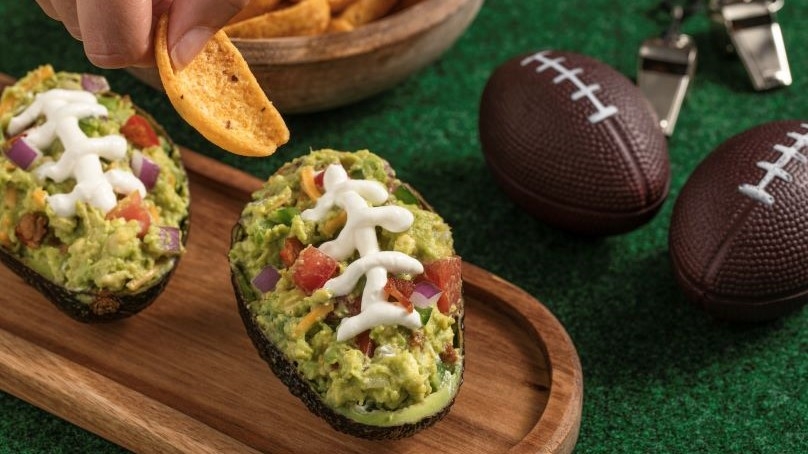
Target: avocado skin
column 299, row 387
column 106, row 306
column 287, row 372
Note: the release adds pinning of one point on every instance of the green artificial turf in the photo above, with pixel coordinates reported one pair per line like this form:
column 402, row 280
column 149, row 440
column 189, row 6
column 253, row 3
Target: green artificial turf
column 659, row 375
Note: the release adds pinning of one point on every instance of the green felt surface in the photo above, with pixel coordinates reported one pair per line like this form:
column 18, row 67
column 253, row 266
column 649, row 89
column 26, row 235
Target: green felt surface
column 659, row 375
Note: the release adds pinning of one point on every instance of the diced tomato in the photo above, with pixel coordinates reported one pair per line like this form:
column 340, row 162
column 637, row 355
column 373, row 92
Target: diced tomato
column 312, row 269
column 132, row 208
column 318, row 180
column 400, row 290
column 365, row 343
column 404, row 286
column 291, row 249
column 445, row 274
column 138, row 131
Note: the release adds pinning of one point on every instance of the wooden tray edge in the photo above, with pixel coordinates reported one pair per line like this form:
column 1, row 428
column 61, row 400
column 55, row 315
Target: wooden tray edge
column 565, row 402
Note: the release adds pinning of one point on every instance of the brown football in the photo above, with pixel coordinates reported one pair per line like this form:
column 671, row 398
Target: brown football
column 737, row 234
column 574, row 142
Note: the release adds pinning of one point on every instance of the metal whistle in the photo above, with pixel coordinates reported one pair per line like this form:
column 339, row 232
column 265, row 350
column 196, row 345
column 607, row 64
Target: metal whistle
column 666, row 67
column 755, row 35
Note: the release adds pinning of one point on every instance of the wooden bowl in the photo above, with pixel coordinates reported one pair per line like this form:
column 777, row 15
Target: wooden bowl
column 310, row 74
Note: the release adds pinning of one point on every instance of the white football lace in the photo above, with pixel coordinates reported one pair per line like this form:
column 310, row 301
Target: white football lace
column 776, row 169
column 584, row 90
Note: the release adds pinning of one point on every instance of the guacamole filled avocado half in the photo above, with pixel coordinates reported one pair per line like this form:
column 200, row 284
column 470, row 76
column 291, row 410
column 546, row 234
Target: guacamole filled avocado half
column 350, row 288
column 93, row 196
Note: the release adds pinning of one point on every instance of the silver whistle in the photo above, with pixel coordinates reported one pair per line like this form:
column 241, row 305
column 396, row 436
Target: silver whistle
column 756, row 37
column 666, row 67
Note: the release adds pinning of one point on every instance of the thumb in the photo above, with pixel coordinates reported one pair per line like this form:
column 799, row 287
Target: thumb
column 191, row 23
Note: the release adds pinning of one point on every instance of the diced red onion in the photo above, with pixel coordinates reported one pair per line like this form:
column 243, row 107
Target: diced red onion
column 145, row 169
column 266, row 279
column 170, row 239
column 22, row 154
column 425, row 294
column 94, row 83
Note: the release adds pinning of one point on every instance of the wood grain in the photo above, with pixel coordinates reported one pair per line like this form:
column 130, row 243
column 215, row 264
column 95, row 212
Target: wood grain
column 182, row 376
column 113, row 410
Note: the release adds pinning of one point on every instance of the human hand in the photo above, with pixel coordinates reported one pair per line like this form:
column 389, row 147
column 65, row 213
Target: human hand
column 121, row 33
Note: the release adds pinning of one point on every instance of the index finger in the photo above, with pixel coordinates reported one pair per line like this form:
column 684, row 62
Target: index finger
column 116, row 36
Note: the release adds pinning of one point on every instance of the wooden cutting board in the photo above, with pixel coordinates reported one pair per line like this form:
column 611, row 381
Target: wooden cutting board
column 183, row 376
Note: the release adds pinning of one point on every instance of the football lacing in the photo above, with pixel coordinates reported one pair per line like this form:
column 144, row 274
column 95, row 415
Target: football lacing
column 776, row 169
column 361, row 199
column 81, row 158
column 584, row 90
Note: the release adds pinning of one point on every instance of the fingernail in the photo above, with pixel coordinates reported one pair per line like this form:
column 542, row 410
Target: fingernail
column 189, row 45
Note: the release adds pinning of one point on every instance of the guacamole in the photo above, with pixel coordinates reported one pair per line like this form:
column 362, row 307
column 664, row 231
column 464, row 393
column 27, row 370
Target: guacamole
column 296, row 226
column 56, row 217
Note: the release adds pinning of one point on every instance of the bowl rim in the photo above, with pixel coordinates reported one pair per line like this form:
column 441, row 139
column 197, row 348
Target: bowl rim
column 392, row 29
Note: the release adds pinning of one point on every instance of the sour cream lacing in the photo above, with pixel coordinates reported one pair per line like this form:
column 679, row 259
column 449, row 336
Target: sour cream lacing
column 357, row 198
column 82, row 155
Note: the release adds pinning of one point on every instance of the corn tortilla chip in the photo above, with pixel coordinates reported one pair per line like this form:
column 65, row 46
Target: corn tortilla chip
column 338, row 5
column 306, row 18
column 218, row 95
column 362, row 12
column 255, row 8
column 338, row 25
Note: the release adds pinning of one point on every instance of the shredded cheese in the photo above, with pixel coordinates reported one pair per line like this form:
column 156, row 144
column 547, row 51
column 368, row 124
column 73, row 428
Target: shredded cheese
column 316, row 314
column 308, row 184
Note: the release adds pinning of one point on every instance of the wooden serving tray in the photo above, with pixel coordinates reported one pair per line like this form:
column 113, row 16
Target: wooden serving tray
column 183, row 376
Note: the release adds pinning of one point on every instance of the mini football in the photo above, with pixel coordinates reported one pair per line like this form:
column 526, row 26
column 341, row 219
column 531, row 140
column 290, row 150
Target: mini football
column 574, row 142
column 737, row 234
